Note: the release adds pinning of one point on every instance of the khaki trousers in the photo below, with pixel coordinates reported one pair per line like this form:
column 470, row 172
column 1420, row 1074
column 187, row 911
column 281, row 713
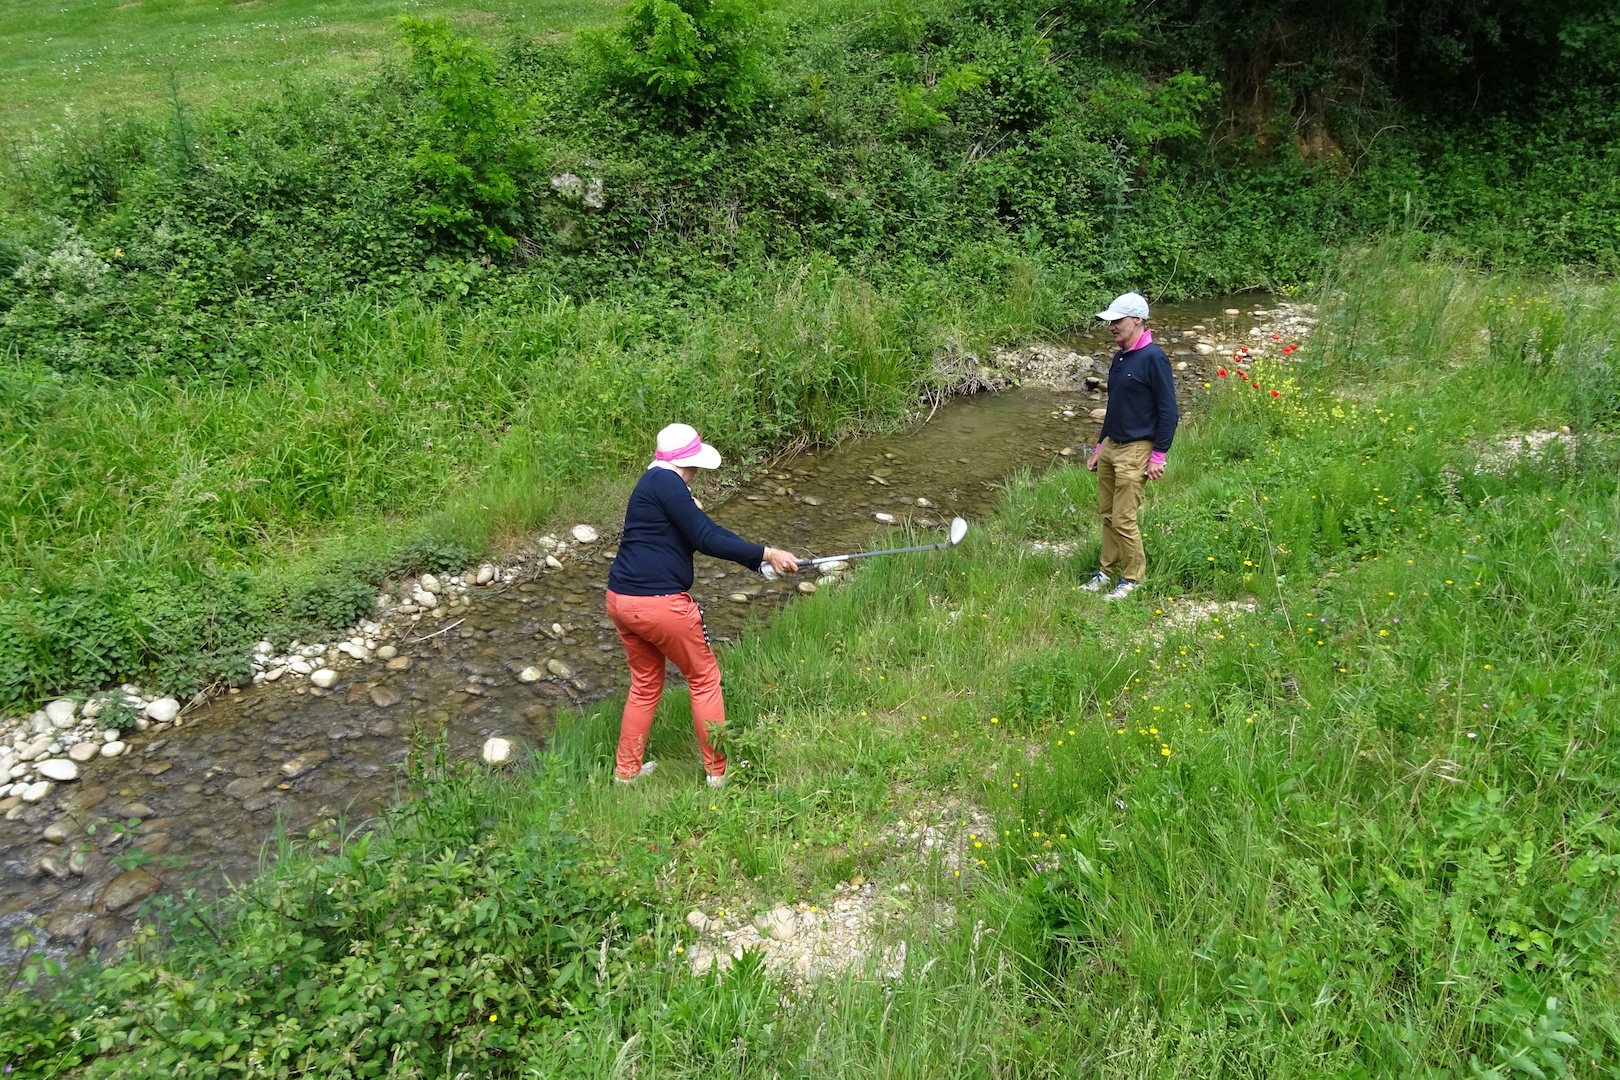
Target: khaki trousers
column 1120, row 480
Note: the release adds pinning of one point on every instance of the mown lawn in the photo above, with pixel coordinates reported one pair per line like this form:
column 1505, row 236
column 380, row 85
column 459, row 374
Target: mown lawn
column 67, row 61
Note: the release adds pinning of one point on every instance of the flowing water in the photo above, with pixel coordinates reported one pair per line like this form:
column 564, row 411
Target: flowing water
column 210, row 793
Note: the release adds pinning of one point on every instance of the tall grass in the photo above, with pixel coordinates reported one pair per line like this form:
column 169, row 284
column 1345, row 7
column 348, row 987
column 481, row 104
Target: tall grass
column 1352, row 817
column 399, row 409
column 361, row 432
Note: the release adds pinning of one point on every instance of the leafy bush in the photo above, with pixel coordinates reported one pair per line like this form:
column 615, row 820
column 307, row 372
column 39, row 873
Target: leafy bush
column 445, row 938
column 706, row 55
column 476, row 149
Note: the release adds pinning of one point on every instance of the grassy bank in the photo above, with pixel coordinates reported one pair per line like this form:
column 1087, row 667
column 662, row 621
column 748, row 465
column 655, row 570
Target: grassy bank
column 408, row 433
column 1348, row 816
column 258, row 351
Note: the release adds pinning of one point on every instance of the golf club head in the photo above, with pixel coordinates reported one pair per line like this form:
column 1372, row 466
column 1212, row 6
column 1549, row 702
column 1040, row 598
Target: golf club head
column 958, row 530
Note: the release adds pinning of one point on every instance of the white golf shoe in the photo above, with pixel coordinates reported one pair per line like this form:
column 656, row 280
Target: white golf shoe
column 1122, row 590
column 647, row 768
column 1099, row 582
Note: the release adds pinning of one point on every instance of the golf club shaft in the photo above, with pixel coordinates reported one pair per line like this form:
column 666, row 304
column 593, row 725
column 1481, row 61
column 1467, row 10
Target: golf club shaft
column 825, row 559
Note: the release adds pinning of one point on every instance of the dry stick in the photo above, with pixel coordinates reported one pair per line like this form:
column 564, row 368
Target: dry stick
column 436, row 633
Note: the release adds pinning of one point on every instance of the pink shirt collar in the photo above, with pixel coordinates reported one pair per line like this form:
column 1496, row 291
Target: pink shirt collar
column 1144, row 340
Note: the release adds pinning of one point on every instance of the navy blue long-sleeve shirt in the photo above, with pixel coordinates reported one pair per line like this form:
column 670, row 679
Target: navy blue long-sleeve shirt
column 662, row 528
column 1141, row 398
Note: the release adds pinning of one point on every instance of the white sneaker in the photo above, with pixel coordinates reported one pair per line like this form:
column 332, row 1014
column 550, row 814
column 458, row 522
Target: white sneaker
column 1098, row 582
column 647, row 769
column 1122, row 590
column 717, row 781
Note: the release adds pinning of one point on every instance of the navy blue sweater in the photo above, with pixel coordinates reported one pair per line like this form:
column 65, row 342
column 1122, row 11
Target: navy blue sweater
column 1141, row 398
column 662, row 527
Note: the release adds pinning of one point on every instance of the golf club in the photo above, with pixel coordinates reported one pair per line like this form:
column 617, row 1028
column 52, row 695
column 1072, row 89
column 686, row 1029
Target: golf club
column 959, row 529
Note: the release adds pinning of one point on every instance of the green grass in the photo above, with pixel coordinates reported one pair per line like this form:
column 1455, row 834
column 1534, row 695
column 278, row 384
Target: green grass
column 381, row 424
column 73, row 60
column 1364, row 829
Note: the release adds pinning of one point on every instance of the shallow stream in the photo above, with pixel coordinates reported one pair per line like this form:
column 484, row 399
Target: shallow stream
column 210, row 793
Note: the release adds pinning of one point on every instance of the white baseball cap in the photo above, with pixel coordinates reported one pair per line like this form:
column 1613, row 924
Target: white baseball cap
column 679, row 444
column 1128, row 304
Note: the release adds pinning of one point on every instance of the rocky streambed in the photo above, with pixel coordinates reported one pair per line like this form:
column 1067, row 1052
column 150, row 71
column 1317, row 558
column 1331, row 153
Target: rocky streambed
column 140, row 798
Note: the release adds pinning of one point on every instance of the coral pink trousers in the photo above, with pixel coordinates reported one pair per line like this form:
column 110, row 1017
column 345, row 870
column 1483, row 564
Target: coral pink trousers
column 654, row 628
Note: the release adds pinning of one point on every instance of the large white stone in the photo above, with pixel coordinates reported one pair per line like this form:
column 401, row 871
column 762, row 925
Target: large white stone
column 323, row 678
column 486, row 574
column 497, row 751
column 300, row 667
column 82, row 752
column 112, row 749
column 431, row 583
column 584, row 534
column 57, row 769
column 554, row 562
column 36, row 791
column 93, row 707
column 163, row 710
column 61, row 712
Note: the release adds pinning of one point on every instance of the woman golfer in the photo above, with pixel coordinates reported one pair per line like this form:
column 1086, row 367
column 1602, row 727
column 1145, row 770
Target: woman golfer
column 649, row 601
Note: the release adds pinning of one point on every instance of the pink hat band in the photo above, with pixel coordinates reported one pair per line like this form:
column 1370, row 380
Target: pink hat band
column 689, row 450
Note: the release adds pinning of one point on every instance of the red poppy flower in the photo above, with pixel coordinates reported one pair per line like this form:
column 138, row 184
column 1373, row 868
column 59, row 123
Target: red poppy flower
column 1276, row 393
column 1276, row 337
column 1255, row 385
column 1221, row 372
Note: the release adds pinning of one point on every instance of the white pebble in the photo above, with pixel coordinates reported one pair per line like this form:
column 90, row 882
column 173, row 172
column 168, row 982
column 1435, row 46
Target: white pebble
column 497, row 751
column 163, row 710
column 57, row 769
column 324, row 677
column 112, row 749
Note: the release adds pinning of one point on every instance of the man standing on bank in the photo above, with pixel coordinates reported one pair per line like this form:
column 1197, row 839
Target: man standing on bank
column 650, row 602
column 1136, row 434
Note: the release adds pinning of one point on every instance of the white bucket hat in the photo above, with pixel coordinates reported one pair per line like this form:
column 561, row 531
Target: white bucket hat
column 1126, row 305
column 679, row 444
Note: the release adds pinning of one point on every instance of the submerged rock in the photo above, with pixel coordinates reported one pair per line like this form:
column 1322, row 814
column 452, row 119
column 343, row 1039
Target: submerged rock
column 130, row 887
column 303, row 763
